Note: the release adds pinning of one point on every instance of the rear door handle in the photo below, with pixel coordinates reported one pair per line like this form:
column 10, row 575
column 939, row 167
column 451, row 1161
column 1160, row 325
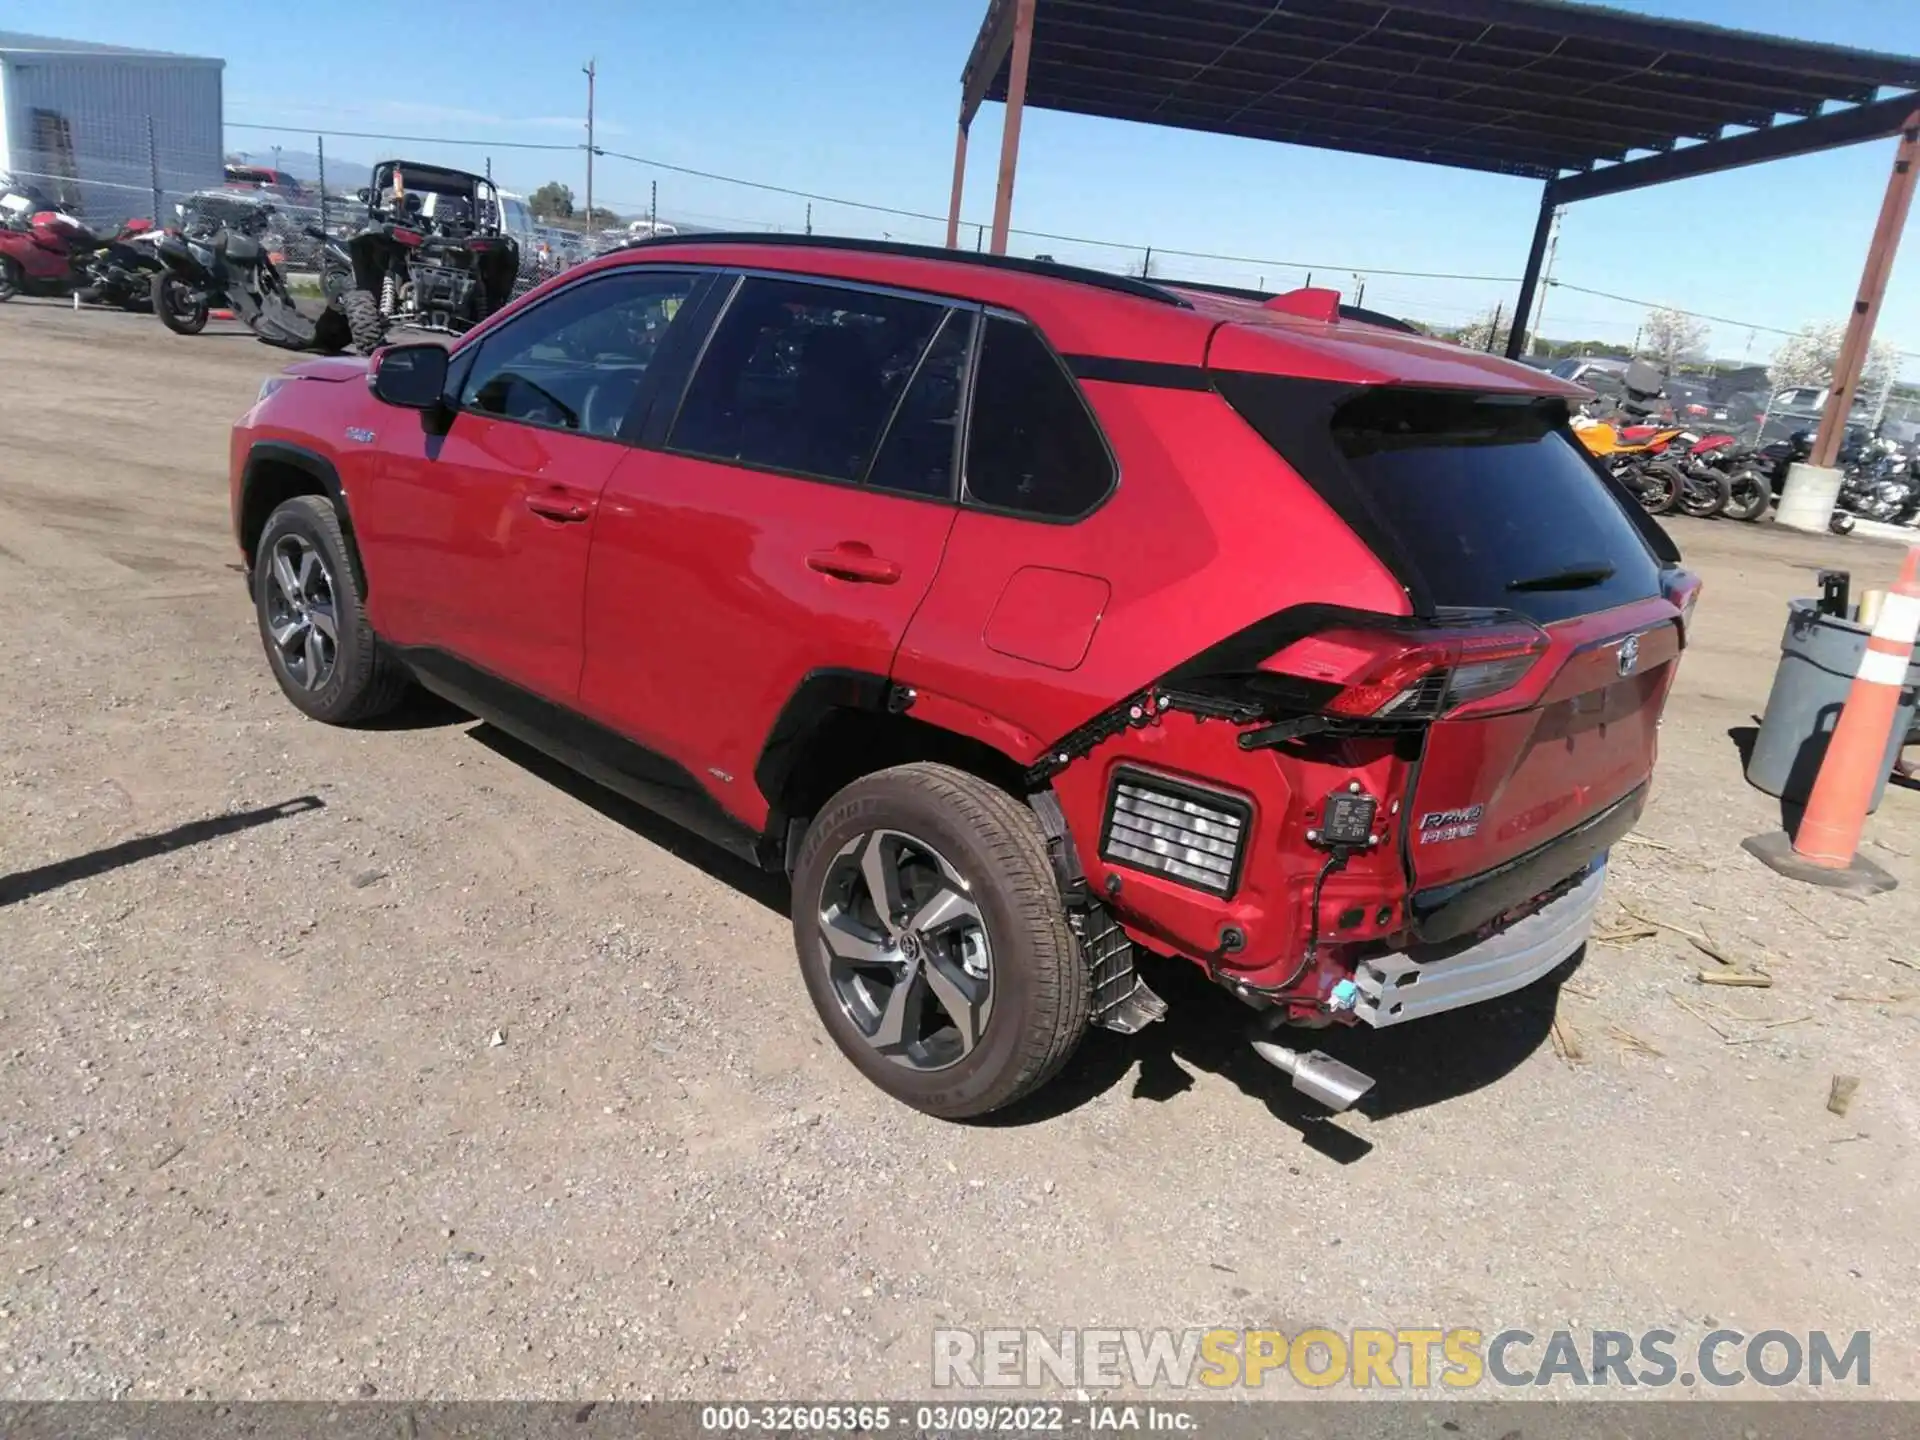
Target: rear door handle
column 563, row 508
column 854, row 561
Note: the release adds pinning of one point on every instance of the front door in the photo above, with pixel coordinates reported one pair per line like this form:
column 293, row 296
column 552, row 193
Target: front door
column 792, row 523
column 481, row 534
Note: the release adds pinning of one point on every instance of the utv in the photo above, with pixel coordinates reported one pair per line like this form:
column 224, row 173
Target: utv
column 430, row 253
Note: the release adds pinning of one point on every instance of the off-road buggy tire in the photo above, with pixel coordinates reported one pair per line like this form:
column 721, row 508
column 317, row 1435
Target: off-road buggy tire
column 366, row 326
column 190, row 321
column 366, row 681
column 1042, row 995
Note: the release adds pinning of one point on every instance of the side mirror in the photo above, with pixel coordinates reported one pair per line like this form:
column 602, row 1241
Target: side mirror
column 412, row 377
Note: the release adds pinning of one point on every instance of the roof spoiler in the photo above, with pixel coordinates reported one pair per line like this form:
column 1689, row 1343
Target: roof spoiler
column 1310, row 302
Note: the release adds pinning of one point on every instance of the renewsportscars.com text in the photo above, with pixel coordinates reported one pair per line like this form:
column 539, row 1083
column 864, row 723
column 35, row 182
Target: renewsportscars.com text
column 1412, row 1359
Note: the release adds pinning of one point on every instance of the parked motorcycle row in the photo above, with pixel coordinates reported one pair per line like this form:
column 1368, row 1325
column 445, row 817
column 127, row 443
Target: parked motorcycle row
column 46, row 251
column 1668, row 467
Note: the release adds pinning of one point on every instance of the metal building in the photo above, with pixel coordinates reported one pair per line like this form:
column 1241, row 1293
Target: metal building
column 101, row 128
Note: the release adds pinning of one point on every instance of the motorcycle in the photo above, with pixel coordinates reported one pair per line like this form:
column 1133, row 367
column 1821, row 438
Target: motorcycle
column 225, row 254
column 46, row 251
column 1718, row 462
column 1636, row 452
column 1881, row 485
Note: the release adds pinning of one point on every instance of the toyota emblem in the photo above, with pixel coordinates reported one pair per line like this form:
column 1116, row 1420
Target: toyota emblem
column 1629, row 654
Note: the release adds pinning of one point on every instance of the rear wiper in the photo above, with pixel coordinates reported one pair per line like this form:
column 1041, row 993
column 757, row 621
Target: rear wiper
column 1574, row 577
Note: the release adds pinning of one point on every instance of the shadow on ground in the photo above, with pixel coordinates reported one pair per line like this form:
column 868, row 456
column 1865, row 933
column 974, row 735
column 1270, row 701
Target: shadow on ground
column 1424, row 1063
column 25, row 884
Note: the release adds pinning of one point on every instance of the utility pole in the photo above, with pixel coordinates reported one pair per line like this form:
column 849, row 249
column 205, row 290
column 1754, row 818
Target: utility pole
column 588, row 70
column 1360, row 296
column 1546, row 285
column 809, row 217
column 653, row 209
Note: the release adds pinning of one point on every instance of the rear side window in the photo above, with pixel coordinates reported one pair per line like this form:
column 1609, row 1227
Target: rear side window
column 917, row 457
column 804, row 378
column 1493, row 503
column 1033, row 448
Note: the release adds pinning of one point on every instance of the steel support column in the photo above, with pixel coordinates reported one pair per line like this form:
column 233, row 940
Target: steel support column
column 1852, row 360
column 959, row 185
column 1010, row 132
column 1530, row 280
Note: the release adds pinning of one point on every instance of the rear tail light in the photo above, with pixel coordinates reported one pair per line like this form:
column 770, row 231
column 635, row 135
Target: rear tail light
column 1413, row 675
column 1167, row 827
column 408, row 237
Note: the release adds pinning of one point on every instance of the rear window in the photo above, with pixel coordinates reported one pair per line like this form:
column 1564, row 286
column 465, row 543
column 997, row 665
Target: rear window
column 1493, row 503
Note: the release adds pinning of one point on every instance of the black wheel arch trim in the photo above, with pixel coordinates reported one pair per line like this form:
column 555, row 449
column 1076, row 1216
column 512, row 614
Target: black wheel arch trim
column 818, row 695
column 322, row 472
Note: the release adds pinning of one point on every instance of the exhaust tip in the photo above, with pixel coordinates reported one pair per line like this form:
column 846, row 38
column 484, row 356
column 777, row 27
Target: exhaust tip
column 1317, row 1075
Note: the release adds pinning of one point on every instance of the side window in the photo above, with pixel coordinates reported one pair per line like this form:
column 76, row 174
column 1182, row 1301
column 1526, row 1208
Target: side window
column 917, row 456
column 577, row 361
column 1033, row 447
column 803, row 377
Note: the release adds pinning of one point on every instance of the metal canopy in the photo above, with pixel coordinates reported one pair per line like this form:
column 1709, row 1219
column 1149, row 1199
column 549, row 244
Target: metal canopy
column 1520, row 87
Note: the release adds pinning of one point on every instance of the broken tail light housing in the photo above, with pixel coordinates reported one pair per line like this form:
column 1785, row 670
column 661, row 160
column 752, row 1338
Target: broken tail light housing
column 1682, row 590
column 1400, row 675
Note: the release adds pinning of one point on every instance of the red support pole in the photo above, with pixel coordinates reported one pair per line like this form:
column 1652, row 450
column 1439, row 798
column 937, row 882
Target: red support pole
column 1010, row 133
column 959, row 187
column 1852, row 360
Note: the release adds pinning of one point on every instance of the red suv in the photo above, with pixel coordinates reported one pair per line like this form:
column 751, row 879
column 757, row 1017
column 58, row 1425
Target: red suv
column 1024, row 616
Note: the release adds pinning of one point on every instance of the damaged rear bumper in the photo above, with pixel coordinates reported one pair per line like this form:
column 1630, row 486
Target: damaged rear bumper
column 1429, row 979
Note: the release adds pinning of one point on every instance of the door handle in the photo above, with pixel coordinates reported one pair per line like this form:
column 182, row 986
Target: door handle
column 856, row 562
column 559, row 507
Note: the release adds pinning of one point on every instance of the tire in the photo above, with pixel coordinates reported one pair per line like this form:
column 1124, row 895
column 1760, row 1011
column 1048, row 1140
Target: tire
column 1840, row 523
column 341, row 679
column 1657, row 488
column 181, row 318
column 1748, row 495
column 1034, row 1006
column 9, row 278
column 366, row 326
column 1703, row 496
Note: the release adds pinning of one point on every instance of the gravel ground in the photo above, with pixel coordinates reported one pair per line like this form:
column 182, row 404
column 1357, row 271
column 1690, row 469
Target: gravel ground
column 398, row 1062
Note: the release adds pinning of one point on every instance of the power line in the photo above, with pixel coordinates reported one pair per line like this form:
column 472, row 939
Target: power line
column 403, row 139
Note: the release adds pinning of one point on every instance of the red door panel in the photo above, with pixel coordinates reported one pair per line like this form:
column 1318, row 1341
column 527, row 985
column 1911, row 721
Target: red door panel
column 478, row 541
column 714, row 590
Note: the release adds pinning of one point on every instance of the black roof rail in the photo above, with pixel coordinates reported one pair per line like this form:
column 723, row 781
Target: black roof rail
column 1101, row 279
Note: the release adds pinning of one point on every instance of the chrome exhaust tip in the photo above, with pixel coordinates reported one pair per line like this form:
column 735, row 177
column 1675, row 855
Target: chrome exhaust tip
column 1317, row 1074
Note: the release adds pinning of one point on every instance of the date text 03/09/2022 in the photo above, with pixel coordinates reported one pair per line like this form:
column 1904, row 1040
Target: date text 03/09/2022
column 970, row 1419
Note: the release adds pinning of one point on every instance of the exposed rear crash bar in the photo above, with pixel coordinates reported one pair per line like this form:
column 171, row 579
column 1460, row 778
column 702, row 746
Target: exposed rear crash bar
column 1446, row 912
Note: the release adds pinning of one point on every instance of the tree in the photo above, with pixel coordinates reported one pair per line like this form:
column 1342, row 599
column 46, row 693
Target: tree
column 1808, row 358
column 1672, row 336
column 552, row 201
column 1486, row 333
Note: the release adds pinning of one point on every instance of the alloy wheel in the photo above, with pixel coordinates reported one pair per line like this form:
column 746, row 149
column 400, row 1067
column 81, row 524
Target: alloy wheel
column 905, row 950
column 301, row 618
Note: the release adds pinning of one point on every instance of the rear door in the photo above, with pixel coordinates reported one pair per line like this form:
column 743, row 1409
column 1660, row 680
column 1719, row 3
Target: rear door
column 790, row 524
column 1491, row 506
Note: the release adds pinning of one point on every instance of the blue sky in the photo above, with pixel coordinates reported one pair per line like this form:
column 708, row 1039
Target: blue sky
column 857, row 98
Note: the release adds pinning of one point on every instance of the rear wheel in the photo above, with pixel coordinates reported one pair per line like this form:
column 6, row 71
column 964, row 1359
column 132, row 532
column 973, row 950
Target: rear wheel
column 1703, row 493
column 1748, row 495
column 181, row 308
column 1657, row 487
column 323, row 652
column 366, row 326
column 9, row 278
column 933, row 942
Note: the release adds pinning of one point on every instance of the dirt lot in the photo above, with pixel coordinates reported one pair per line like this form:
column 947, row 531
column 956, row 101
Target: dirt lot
column 257, row 1141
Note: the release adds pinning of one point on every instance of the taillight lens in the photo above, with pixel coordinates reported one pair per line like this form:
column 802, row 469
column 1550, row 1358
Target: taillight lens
column 1413, row 675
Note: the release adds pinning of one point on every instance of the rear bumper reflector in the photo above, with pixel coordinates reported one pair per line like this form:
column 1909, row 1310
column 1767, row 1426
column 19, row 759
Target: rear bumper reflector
column 1429, row 979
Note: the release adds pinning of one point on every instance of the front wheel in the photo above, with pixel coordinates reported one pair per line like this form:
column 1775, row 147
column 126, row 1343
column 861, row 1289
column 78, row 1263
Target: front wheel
column 312, row 622
column 1748, row 495
column 181, row 308
column 933, row 942
column 366, row 326
column 9, row 278
column 1656, row 487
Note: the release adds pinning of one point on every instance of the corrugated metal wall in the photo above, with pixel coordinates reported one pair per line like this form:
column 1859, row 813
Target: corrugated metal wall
column 80, row 125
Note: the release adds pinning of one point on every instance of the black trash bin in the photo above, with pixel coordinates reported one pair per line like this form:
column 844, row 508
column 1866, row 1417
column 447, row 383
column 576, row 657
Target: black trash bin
column 1819, row 655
